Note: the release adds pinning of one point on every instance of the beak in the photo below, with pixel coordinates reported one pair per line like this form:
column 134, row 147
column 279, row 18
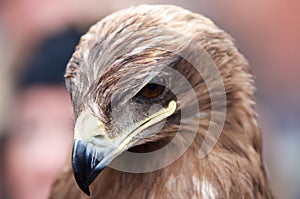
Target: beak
column 85, row 170
column 93, row 150
column 88, row 162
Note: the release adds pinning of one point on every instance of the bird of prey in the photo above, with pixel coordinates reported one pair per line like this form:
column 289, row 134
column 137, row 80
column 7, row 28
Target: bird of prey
column 146, row 76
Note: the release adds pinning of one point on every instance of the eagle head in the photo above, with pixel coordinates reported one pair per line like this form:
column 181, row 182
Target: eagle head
column 157, row 78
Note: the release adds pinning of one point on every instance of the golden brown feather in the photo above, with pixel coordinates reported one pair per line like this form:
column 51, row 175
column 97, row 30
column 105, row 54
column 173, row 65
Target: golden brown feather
column 233, row 169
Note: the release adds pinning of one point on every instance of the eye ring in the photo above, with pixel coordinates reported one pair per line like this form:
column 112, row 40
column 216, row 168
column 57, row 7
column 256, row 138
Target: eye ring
column 152, row 90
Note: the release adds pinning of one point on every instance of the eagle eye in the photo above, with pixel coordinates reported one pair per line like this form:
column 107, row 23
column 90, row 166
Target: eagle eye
column 152, row 90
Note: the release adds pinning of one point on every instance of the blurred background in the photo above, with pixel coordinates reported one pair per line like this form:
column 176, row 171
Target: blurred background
column 37, row 38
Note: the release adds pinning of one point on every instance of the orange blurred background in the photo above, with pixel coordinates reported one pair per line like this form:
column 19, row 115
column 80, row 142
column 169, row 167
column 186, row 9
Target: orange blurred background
column 37, row 38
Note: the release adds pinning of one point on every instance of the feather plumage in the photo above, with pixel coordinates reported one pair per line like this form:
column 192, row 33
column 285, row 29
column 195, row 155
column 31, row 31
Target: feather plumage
column 233, row 169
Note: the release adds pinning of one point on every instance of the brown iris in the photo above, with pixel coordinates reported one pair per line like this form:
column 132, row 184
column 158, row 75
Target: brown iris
column 152, row 90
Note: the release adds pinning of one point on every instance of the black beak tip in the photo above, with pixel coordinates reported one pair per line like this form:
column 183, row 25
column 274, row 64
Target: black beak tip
column 80, row 178
column 85, row 189
column 84, row 168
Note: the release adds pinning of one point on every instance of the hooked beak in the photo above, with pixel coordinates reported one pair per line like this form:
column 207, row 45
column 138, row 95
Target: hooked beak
column 85, row 168
column 93, row 150
column 87, row 163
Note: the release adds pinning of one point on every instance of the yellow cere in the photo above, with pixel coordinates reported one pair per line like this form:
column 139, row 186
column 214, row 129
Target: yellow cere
column 88, row 126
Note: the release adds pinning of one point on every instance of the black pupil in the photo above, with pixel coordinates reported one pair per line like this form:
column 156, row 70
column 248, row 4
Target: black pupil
column 152, row 87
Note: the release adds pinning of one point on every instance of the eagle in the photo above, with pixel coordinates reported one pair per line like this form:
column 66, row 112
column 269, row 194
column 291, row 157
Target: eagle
column 163, row 108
